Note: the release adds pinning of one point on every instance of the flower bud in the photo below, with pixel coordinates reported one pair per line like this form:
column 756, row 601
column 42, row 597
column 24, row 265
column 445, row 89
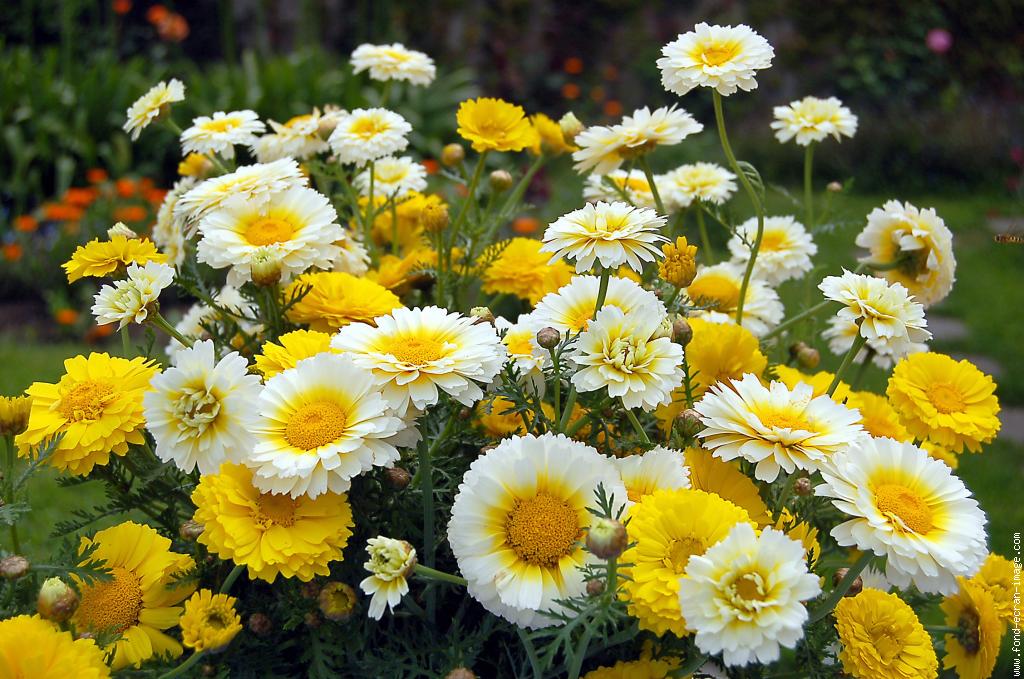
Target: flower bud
column 452, row 155
column 121, row 229
column 329, row 120
column 606, row 538
column 595, row 587
column 14, row 412
column 460, row 673
column 190, row 530
column 260, row 624
column 681, row 331
column 548, row 338
column 434, row 217
column 312, row 620
column 834, row 187
column 501, row 181
column 665, row 329
column 57, row 601
column 689, row 422
column 571, row 127
column 265, row 267
column 397, row 477
column 309, row 590
column 482, row 315
column 803, row 487
column 808, row 357
column 14, row 566
column 337, row 601
column 855, row 587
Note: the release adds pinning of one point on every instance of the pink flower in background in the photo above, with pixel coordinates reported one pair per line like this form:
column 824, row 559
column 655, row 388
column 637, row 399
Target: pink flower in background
column 939, row 40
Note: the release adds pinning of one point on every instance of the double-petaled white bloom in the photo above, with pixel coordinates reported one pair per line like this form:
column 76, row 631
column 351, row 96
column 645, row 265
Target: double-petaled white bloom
column 254, row 184
column 841, row 332
column 618, row 351
column 785, row 252
column 908, row 507
column 744, row 596
column 660, row 468
column 723, row 57
column 151, row 105
column 130, row 299
column 394, row 62
column 916, row 239
column 602, row 149
column 718, row 287
column 571, row 308
column 200, row 410
column 415, row 354
column 610, row 233
column 812, row 119
column 885, row 313
column 773, row 427
column 391, row 562
column 368, row 134
column 300, row 137
column 220, row 132
column 392, row 177
column 708, row 182
column 169, row 229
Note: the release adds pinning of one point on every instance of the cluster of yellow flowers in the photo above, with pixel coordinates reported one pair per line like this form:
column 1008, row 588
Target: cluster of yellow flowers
column 641, row 441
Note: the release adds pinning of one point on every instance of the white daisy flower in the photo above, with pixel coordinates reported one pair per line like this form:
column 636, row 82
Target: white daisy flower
column 130, row 299
column 908, row 507
column 666, row 126
column 200, row 410
column 520, row 340
column 150, row 105
column 299, row 138
column 368, row 134
column 618, row 352
column 169, row 229
column 391, row 562
column 708, row 182
column 887, row 315
column 392, row 177
column 253, row 183
column 773, row 427
column 518, row 523
column 920, row 240
column 417, row 353
column 354, row 257
column 841, row 332
column 744, row 596
column 660, row 468
column 725, row 58
column 812, row 119
column 785, row 252
column 321, row 423
column 394, row 62
column 571, row 308
column 718, row 288
column 601, row 149
column 634, row 184
column 299, row 224
column 219, row 133
column 611, row 233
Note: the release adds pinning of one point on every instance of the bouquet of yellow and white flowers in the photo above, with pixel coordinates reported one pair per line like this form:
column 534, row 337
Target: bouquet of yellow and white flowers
column 387, row 440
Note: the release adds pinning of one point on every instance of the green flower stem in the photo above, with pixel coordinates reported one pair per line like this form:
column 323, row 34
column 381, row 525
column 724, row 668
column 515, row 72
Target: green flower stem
column 704, row 239
column 636, row 425
column 602, row 289
column 558, row 385
column 581, row 652
column 173, row 126
column 159, row 321
column 570, row 403
column 758, row 207
column 394, row 226
column 126, row 342
column 808, row 192
column 470, row 193
column 862, row 369
column 841, row 589
column 531, row 653
column 858, row 344
column 230, row 580
column 780, row 503
column 10, row 457
column 793, row 320
column 183, row 667
column 371, row 205
column 441, row 576
column 691, row 666
column 646, row 167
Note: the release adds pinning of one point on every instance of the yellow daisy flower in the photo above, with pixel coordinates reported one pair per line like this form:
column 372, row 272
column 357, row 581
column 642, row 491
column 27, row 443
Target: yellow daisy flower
column 408, row 210
column 270, row 534
column 210, row 621
column 495, row 125
column 802, row 532
column 518, row 267
column 399, row 274
column 997, row 578
column 819, row 381
column 289, row 349
column 973, row 650
column 337, row 299
column 14, row 414
column 549, row 136
column 96, row 405
column 668, row 527
column 97, row 259
column 140, row 600
column 725, row 479
column 36, row 648
column 635, row 669
column 947, row 401
column 877, row 415
column 882, row 638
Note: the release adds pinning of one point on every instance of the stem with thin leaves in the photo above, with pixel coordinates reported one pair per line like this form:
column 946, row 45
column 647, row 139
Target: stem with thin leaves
column 858, row 343
column 704, row 238
column 434, row 574
column 841, row 589
column 636, row 425
column 646, row 167
column 531, row 653
column 9, row 475
column 793, row 320
column 161, row 322
column 808, row 192
column 183, row 667
column 602, row 289
column 230, row 580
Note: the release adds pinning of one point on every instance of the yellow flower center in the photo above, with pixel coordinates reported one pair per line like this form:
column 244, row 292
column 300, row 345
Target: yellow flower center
column 295, row 120
column 518, row 343
column 717, row 53
column 542, row 529
column 197, row 408
column 773, row 240
column 784, row 419
column 622, row 354
column 113, row 605
column 899, row 502
column 275, row 510
column 316, row 424
column 220, row 125
column 680, row 550
column 887, row 640
column 946, row 398
column 748, row 588
column 417, row 350
column 268, row 231
column 719, row 292
column 367, row 128
column 86, row 400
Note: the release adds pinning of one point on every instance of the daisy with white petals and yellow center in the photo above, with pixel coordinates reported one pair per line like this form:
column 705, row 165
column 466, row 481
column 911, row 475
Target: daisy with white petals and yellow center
column 908, row 507
column 773, row 427
column 368, row 134
column 657, row 469
column 618, row 351
column 221, row 132
column 200, row 410
column 886, row 314
column 603, row 149
column 298, row 226
column 394, row 62
column 812, row 119
column 708, row 182
column 718, row 289
column 744, row 596
column 610, row 233
column 300, row 137
column 518, row 523
column 133, row 298
column 785, row 252
column 152, row 105
column 725, row 58
column 571, row 308
column 321, row 423
column 391, row 562
column 254, row 184
column 392, row 177
column 417, row 353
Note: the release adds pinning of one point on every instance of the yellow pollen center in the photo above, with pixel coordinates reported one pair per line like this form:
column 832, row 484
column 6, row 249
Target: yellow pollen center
column 680, row 550
column 86, row 400
column 946, row 398
column 295, row 120
column 278, row 510
column 542, row 529
column 898, row 501
column 719, row 292
column 749, row 587
column 784, row 419
column 268, row 231
column 519, row 344
column 417, row 350
column 886, row 640
column 217, row 618
column 113, row 605
column 220, row 125
column 367, row 128
column 316, row 424
column 773, row 240
column 718, row 53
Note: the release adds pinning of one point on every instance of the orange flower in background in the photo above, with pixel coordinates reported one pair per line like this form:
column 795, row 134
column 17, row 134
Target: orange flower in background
column 13, row 252
column 573, row 66
column 130, row 213
column 597, row 94
column 571, row 91
column 98, row 332
column 145, row 184
column 156, row 14
column 66, row 316
column 26, row 223
column 126, row 187
column 612, row 108
column 173, row 28
column 60, row 212
column 610, row 72
column 121, row 6
column 524, row 226
column 431, row 165
column 96, row 175
column 156, row 196
column 80, row 197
